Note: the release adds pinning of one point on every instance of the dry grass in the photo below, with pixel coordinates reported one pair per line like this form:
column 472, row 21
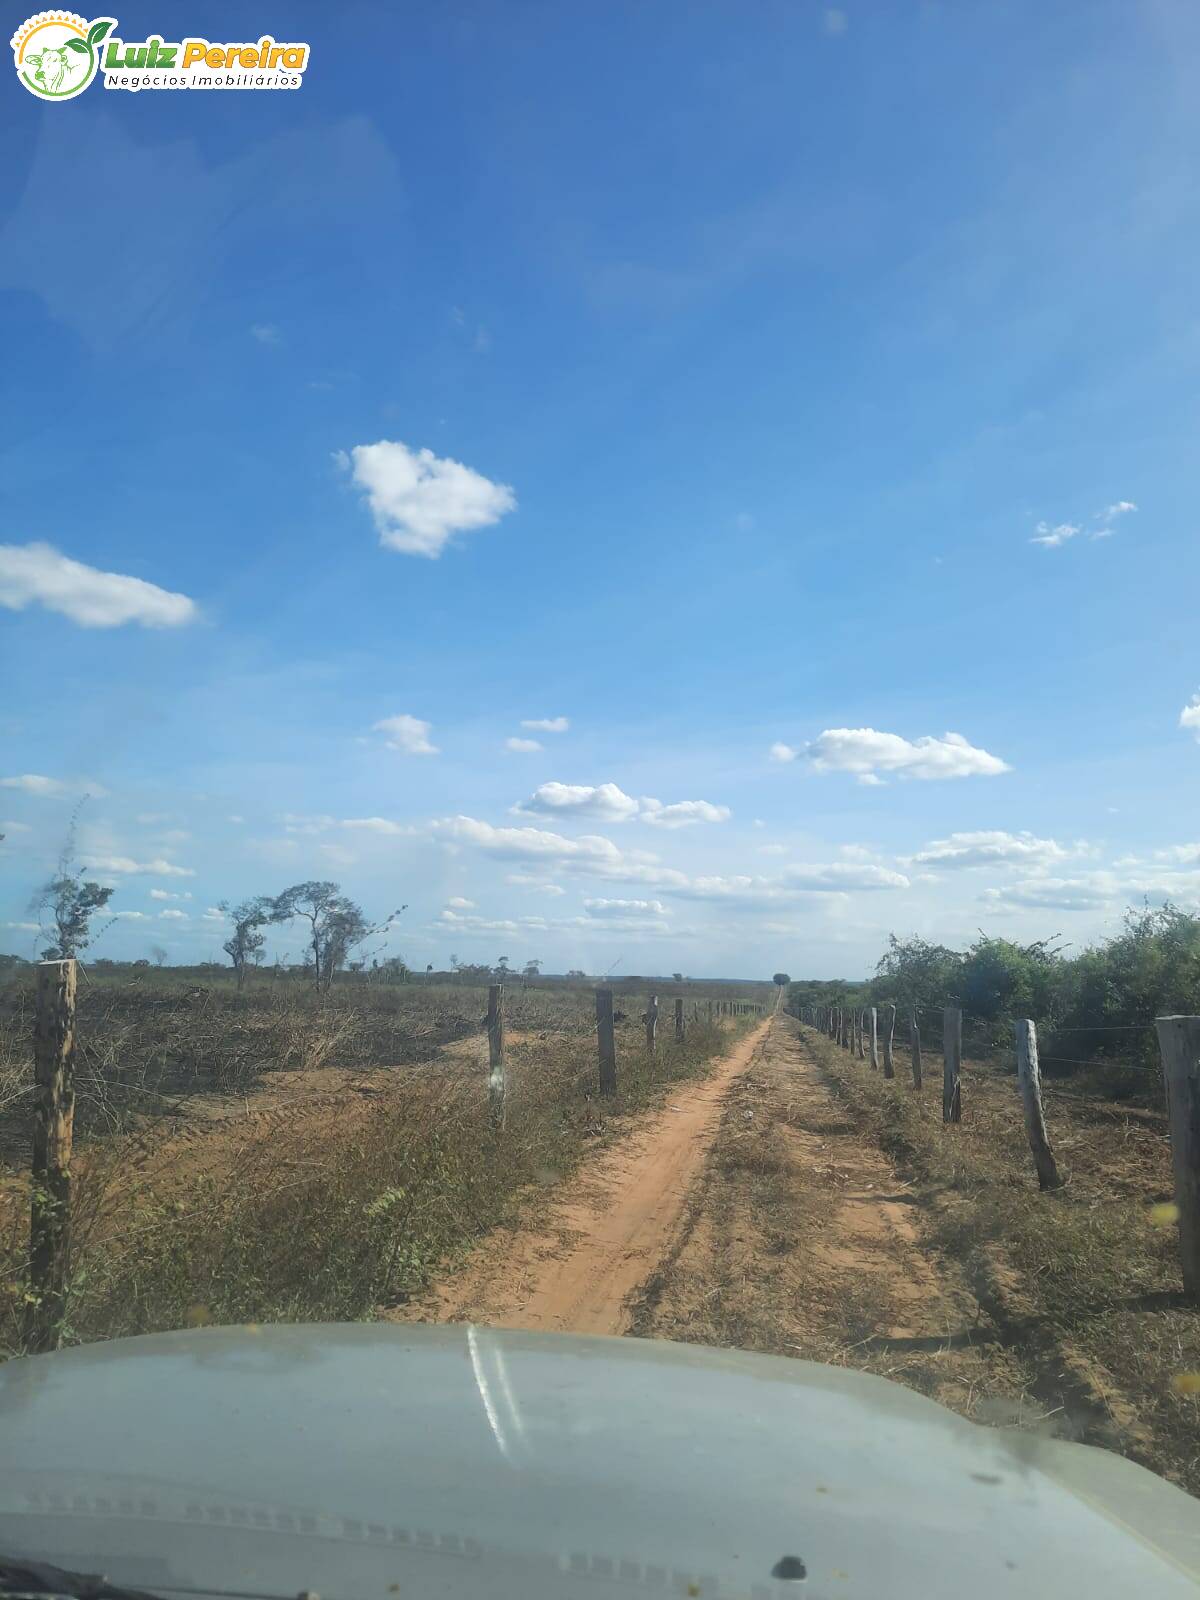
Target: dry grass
column 1080, row 1279
column 344, row 1204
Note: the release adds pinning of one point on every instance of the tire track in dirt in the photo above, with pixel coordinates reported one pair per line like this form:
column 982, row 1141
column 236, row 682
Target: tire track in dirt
column 608, row 1229
column 801, row 1240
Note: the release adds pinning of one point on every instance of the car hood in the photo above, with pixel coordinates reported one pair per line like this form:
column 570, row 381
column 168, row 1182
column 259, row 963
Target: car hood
column 365, row 1462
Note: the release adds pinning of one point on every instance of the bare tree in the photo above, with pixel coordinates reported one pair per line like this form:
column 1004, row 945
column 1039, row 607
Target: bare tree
column 247, row 939
column 70, row 901
column 158, row 954
column 336, row 924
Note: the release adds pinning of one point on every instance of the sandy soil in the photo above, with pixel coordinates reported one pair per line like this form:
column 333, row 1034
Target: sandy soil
column 748, row 1212
column 606, row 1231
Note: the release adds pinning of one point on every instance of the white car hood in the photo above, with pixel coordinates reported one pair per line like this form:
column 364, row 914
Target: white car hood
column 368, row 1462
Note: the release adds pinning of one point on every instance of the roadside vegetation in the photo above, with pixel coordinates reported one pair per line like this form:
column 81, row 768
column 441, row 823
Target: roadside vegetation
column 1083, row 1282
column 279, row 1151
column 1095, row 1009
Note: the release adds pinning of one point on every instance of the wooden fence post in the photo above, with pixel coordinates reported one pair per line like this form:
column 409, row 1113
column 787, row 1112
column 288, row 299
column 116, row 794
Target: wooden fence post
column 53, row 1127
column 1179, row 1045
column 606, row 1040
column 497, row 1085
column 678, row 1021
column 951, row 1064
column 873, row 1013
column 710, row 1013
column 1029, row 1076
column 652, row 1024
column 915, row 1036
column 889, row 1065
column 862, row 1047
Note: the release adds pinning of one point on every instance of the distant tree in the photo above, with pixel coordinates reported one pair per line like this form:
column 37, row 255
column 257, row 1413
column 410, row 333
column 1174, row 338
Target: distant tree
column 502, row 966
column 782, row 979
column 428, row 970
column 247, row 939
column 70, row 901
column 575, row 972
column 532, row 968
column 159, row 954
column 336, row 924
column 677, row 976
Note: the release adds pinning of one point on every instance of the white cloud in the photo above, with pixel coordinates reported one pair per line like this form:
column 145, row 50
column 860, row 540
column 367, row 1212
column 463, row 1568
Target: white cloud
column 294, row 823
column 419, row 500
column 1189, row 717
column 407, row 734
column 39, row 574
column 129, row 916
column 148, row 819
column 590, row 854
column 169, row 894
column 50, row 788
column 683, row 813
column 457, row 903
column 214, row 914
column 338, row 854
column 235, row 819
column 531, row 880
column 125, row 864
column 772, row 849
column 1176, row 854
column 782, row 752
column 844, row 875
column 989, row 848
column 1052, row 537
column 377, row 825
column 14, row 827
column 604, row 801
column 173, row 916
column 623, row 909
column 866, row 753
column 24, row 927
column 608, row 803
column 265, row 332
column 546, row 724
column 459, row 920
column 834, row 21
column 1055, row 894
column 1119, row 508
column 522, row 746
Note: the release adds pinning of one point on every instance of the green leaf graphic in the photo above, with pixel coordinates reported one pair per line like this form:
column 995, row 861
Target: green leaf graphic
column 97, row 31
column 77, row 44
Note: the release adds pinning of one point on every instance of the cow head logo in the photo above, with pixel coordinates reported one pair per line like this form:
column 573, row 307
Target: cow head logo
column 57, row 53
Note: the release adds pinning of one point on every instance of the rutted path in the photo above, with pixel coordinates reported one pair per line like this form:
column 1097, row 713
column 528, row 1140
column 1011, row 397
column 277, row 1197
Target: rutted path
column 608, row 1229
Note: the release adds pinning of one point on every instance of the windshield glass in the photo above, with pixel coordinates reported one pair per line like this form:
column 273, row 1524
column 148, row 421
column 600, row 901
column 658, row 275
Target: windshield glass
column 596, row 736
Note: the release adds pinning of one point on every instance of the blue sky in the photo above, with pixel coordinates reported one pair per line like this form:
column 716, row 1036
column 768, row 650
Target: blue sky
column 765, row 391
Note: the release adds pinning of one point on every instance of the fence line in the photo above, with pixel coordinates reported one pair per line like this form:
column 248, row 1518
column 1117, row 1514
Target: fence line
column 1179, row 1048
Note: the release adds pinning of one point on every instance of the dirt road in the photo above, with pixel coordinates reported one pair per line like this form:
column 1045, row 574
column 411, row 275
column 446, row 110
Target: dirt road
column 608, row 1230
column 749, row 1212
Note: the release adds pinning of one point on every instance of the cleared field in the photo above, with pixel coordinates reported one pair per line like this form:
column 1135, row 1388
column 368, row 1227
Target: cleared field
column 278, row 1154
